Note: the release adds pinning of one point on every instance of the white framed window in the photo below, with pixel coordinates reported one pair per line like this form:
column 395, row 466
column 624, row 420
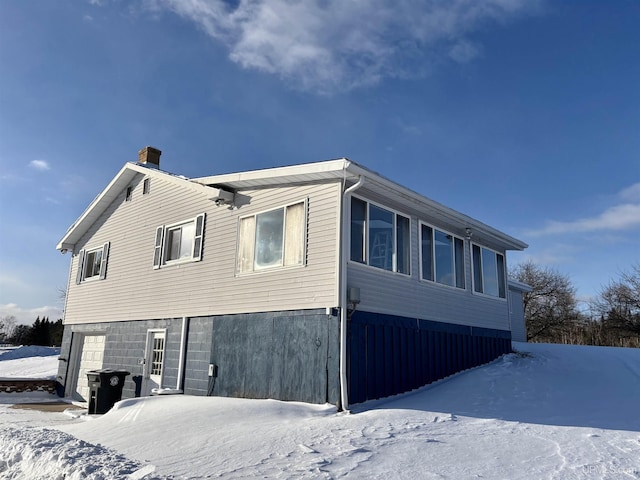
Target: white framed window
column 92, row 264
column 179, row 242
column 271, row 239
column 489, row 275
column 380, row 237
column 441, row 257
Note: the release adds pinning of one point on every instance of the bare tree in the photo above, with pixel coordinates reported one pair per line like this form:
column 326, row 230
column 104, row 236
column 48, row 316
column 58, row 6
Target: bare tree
column 550, row 309
column 618, row 304
column 7, row 327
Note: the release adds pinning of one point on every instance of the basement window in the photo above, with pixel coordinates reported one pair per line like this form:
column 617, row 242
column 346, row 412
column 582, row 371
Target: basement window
column 272, row 239
column 92, row 264
column 179, row 242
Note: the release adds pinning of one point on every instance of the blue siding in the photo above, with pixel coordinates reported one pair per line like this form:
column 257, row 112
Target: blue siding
column 390, row 354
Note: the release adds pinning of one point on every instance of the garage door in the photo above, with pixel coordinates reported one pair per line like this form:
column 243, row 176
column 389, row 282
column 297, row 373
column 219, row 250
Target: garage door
column 90, row 359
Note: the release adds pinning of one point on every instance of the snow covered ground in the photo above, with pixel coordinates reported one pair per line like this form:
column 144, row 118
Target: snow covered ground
column 29, row 362
column 551, row 411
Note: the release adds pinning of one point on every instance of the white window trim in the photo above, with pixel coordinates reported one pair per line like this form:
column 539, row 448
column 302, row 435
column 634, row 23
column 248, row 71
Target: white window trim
column 395, row 237
column 473, row 276
column 160, row 245
column 82, row 256
column 433, row 257
column 305, row 227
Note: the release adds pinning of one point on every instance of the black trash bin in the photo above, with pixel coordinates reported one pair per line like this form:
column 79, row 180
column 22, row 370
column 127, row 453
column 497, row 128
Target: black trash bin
column 105, row 388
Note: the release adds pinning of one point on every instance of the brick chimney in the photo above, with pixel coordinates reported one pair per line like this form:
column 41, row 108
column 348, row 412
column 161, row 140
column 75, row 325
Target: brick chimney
column 150, row 157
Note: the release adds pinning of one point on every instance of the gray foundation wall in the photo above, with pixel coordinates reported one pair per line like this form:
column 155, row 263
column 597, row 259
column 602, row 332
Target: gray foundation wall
column 125, row 344
column 291, row 355
column 285, row 355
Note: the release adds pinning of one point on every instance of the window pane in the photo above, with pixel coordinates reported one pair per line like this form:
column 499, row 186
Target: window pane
column 444, row 258
column 477, row 269
column 92, row 263
column 459, row 262
column 186, row 240
column 427, row 252
column 501, row 282
column 97, row 259
column 403, row 242
column 489, row 273
column 358, row 216
column 294, row 235
column 269, row 238
column 173, row 244
column 380, row 238
column 247, row 237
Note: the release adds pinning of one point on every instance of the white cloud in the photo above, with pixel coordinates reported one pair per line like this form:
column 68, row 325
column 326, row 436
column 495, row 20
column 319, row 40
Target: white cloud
column 327, row 46
column 631, row 194
column 26, row 316
column 41, row 165
column 464, row 51
column 624, row 216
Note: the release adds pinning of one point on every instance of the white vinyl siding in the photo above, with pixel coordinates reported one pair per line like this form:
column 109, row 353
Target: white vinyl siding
column 211, row 286
column 411, row 296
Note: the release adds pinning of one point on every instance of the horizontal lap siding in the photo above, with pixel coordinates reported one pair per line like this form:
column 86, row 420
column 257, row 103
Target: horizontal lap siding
column 396, row 294
column 134, row 290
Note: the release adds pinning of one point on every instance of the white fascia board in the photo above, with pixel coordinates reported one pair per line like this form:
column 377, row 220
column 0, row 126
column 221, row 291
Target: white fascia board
column 459, row 218
column 345, row 168
column 274, row 176
column 113, row 189
column 89, row 215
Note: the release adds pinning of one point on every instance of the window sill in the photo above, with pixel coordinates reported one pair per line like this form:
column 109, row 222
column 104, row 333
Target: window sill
column 269, row 269
column 377, row 269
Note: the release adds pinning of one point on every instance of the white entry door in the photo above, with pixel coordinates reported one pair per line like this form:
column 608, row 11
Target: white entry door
column 89, row 352
column 154, row 361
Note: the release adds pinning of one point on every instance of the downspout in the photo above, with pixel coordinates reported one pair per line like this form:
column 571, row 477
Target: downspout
column 68, row 359
column 183, row 349
column 344, row 248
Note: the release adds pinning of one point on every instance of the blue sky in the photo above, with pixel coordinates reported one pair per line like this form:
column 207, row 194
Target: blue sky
column 522, row 114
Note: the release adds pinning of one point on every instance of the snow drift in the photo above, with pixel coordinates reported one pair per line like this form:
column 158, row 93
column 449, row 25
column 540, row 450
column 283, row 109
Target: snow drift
column 549, row 411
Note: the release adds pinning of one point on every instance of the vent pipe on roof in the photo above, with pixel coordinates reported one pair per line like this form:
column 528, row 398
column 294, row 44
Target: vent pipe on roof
column 150, row 157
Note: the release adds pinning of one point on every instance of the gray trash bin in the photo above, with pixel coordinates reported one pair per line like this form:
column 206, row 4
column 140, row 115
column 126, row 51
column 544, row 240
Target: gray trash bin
column 105, row 388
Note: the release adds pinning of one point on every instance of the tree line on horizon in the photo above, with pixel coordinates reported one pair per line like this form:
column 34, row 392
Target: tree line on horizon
column 42, row 332
column 552, row 313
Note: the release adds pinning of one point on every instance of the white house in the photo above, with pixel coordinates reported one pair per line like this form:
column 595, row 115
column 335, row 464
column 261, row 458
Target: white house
column 320, row 282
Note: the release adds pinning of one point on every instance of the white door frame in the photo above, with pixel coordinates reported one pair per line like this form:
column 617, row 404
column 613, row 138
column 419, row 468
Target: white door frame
column 148, row 383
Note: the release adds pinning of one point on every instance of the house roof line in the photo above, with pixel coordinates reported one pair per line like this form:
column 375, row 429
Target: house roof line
column 341, row 168
column 101, row 202
column 454, row 215
column 345, row 168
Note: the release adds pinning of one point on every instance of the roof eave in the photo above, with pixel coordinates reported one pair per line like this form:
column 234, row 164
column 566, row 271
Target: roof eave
column 108, row 195
column 509, row 242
